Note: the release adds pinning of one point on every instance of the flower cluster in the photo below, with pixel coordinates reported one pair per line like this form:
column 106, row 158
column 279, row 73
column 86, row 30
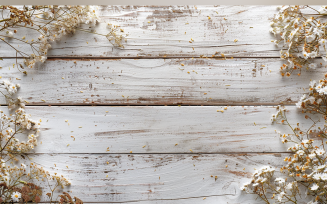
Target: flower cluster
column 263, row 181
column 15, row 124
column 316, row 99
column 114, row 36
column 18, row 184
column 56, row 29
column 302, row 38
column 260, row 177
column 51, row 23
column 7, row 135
column 280, row 114
column 11, row 90
column 43, row 175
column 15, row 182
column 11, row 179
column 10, row 87
column 307, row 166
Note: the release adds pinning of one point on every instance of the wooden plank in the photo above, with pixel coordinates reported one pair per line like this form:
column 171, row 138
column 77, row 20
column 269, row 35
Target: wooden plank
column 160, row 178
column 206, row 140
column 161, row 129
column 158, row 31
column 160, row 82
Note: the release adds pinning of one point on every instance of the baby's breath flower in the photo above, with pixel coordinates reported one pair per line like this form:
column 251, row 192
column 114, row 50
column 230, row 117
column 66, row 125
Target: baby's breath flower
column 300, row 152
column 16, row 196
column 307, row 164
column 318, row 176
column 280, row 180
column 10, row 87
column 314, row 187
column 305, row 141
column 320, row 152
column 280, row 196
column 312, row 83
column 310, row 38
column 298, row 104
column 311, row 156
column 57, row 21
column 298, row 33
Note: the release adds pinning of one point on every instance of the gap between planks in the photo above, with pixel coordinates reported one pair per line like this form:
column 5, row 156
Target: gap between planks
column 167, row 153
column 123, row 105
column 136, row 57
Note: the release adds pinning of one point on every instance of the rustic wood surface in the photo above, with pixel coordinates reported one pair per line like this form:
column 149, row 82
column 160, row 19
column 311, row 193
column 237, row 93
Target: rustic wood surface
column 158, row 178
column 246, row 81
column 159, row 31
column 127, row 99
column 153, row 129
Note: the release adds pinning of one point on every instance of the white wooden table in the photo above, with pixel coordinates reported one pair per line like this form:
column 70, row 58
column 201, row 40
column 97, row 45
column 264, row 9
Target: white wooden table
column 159, row 119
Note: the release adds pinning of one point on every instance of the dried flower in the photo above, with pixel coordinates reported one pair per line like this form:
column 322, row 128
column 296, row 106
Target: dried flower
column 300, row 37
column 308, row 164
column 16, row 196
column 56, row 22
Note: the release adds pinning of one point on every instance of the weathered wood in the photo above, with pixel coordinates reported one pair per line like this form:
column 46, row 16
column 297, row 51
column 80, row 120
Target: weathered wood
column 158, row 178
column 165, row 31
column 160, row 82
column 162, row 154
column 161, row 129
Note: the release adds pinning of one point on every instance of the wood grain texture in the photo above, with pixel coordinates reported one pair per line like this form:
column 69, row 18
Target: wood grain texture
column 162, row 154
column 158, row 31
column 160, row 82
column 157, row 129
column 158, row 178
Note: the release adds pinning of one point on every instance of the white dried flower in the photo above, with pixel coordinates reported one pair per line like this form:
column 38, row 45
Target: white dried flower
column 280, row 180
column 280, row 196
column 314, row 187
column 16, row 196
column 320, row 152
column 300, row 152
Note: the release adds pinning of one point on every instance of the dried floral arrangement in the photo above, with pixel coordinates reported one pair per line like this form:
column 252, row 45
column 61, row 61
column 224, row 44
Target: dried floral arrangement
column 305, row 172
column 22, row 183
column 302, row 37
column 51, row 23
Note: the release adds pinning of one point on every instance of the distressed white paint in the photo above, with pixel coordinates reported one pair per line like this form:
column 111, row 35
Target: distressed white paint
column 157, row 129
column 235, row 137
column 157, row 31
column 160, row 82
column 159, row 178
